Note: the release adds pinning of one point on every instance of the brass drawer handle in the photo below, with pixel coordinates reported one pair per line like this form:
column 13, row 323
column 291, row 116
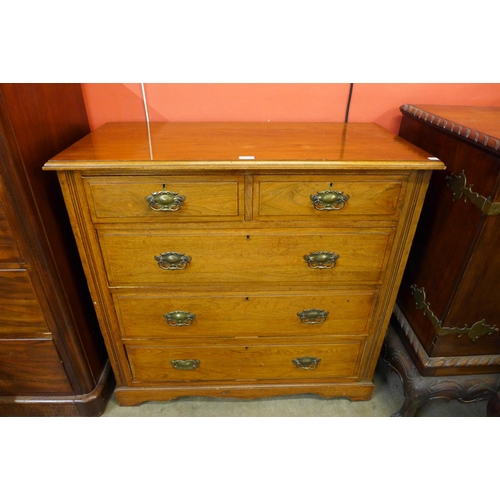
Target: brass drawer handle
column 172, row 261
column 306, row 363
column 185, row 364
column 165, row 201
column 321, row 260
column 179, row 318
column 329, row 200
column 313, row 316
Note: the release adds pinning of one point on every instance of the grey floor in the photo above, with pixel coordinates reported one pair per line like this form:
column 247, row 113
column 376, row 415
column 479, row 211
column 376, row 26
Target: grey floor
column 387, row 399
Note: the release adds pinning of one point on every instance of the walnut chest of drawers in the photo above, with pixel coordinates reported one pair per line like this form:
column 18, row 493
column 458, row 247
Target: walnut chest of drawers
column 243, row 259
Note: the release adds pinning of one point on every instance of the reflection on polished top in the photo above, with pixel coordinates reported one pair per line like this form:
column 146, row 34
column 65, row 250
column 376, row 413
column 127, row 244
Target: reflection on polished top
column 223, row 142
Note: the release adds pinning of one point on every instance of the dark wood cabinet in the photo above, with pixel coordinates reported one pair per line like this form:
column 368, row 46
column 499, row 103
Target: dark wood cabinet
column 52, row 356
column 448, row 308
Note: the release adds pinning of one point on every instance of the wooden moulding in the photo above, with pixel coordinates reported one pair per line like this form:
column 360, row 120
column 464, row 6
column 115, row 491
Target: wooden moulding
column 419, row 389
column 92, row 404
column 468, row 134
column 441, row 365
column 127, row 396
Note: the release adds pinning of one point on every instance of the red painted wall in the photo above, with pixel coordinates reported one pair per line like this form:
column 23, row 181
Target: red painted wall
column 370, row 102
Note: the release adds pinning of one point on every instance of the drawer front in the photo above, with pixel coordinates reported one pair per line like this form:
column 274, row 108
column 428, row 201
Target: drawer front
column 251, row 256
column 190, row 198
column 8, row 248
column 31, row 367
column 244, row 362
column 290, row 197
column 188, row 316
column 20, row 312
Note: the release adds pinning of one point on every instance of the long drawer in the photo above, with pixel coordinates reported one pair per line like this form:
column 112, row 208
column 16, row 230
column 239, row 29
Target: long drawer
column 327, row 197
column 243, row 362
column 190, row 316
column 167, row 199
column 234, row 256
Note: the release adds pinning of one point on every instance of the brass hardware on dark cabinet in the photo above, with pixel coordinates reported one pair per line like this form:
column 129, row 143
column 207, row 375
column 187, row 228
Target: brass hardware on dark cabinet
column 165, row 201
column 172, row 261
column 329, row 200
column 313, row 316
column 457, row 184
column 179, row 318
column 185, row 364
column 475, row 331
column 306, row 363
column 321, row 260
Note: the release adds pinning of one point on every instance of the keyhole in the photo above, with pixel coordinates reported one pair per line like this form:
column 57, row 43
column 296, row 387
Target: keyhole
column 331, row 184
column 248, row 237
column 164, row 186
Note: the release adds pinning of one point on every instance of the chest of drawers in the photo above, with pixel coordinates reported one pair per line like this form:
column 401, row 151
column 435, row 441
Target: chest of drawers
column 243, row 259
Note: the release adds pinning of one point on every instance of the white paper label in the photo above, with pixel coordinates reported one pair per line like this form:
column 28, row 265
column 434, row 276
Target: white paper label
column 433, row 158
column 247, row 157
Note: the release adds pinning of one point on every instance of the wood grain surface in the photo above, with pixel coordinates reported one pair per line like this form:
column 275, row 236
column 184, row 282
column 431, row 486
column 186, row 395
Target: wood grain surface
column 132, row 146
column 246, row 226
column 265, row 314
column 235, row 256
column 237, row 362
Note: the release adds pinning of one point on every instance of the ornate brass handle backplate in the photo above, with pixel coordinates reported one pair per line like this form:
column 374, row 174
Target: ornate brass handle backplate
column 185, row 364
column 165, row 201
column 179, row 318
column 306, row 362
column 329, row 200
column 172, row 261
column 321, row 260
column 312, row 316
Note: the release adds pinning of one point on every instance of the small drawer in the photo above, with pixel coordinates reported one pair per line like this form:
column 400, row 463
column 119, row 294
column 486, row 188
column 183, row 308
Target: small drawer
column 233, row 256
column 304, row 314
column 167, row 199
column 326, row 197
column 245, row 361
column 19, row 308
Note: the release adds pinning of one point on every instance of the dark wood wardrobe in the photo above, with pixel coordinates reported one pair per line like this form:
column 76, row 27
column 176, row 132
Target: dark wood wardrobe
column 52, row 356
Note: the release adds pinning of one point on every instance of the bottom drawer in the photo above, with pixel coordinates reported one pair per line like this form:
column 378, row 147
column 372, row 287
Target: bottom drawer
column 31, row 367
column 244, row 362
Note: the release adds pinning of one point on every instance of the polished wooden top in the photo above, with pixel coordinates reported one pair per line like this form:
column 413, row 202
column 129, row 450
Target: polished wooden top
column 335, row 144
column 477, row 124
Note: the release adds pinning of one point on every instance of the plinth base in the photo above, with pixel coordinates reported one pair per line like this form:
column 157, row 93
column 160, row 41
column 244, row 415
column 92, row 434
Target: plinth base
column 419, row 389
